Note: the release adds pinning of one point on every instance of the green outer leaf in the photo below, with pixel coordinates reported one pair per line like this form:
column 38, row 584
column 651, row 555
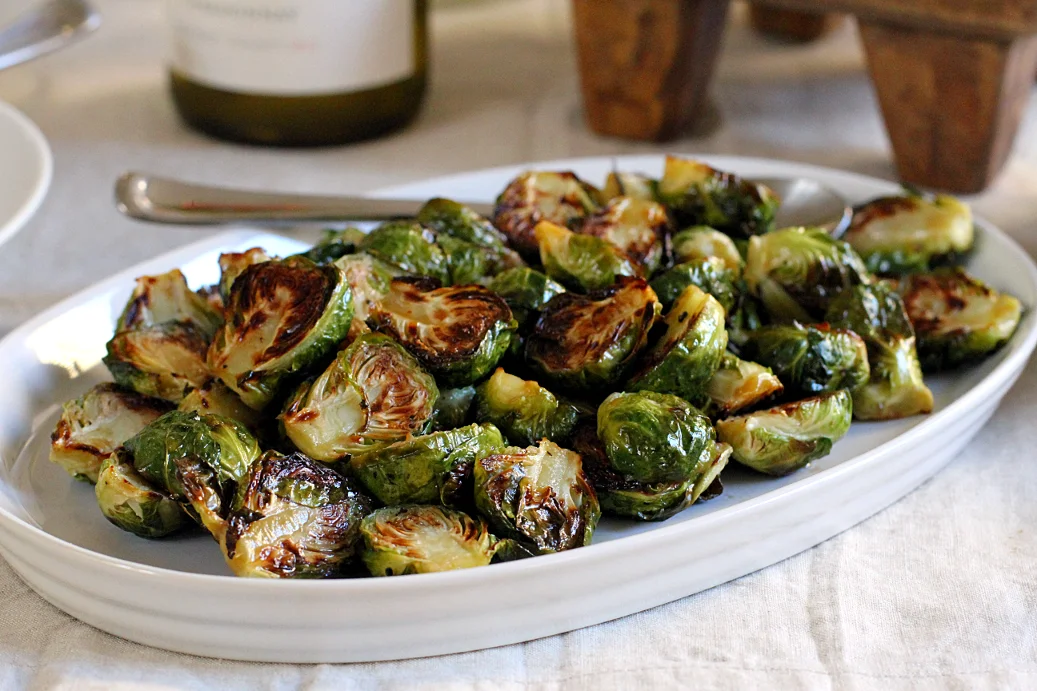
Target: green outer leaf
column 163, row 360
column 811, row 359
column 523, row 410
column 703, row 242
column 409, row 247
column 130, row 503
column 710, row 275
column 334, row 245
column 700, row 195
column 525, row 290
column 446, row 217
column 453, row 408
column 583, row 262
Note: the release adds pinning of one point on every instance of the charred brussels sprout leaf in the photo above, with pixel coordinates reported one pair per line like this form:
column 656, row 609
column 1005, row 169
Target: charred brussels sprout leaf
column 533, row 197
column 401, row 540
column 895, row 388
column 369, row 279
column 162, row 360
column 133, row 504
column 334, row 245
column 796, row 272
column 537, row 495
column 811, row 359
column 214, row 398
column 523, row 410
column 457, row 333
column 638, row 227
column 92, row 426
column 710, row 275
column 740, row 384
column 783, row 439
column 453, row 408
column 581, row 262
column 633, row 185
column 897, row 235
column 233, row 264
column 470, row 263
column 430, row 469
column 409, row 247
column 687, row 355
column 294, row 518
column 373, row 393
column 447, row 217
column 703, row 242
column 283, row 318
column 653, row 438
column 700, row 195
column 157, row 300
column 526, row 291
column 958, row 319
column 587, row 342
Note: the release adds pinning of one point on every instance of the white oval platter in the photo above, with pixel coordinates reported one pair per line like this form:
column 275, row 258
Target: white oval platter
column 26, row 167
column 177, row 594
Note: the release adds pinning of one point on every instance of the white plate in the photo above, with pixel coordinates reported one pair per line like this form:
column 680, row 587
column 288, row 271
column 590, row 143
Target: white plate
column 26, row 167
column 175, row 594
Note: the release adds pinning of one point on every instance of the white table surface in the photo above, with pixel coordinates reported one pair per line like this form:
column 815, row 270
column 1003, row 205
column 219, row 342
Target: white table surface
column 938, row 591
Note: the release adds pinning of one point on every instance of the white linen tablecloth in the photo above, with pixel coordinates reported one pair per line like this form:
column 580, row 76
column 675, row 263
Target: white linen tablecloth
column 938, row 591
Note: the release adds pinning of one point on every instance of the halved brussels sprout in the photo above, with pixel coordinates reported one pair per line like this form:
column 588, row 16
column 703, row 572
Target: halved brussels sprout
column 369, row 279
column 469, row 263
column 700, row 195
column 163, row 360
column 897, row 235
column 581, row 262
column 457, row 333
column 746, row 317
column 283, row 318
column 453, row 408
column 335, row 244
column 447, row 217
column 688, row 354
column 638, row 227
column 796, row 272
column 133, row 504
column 703, row 242
column 587, row 342
column 92, row 426
column 410, row 247
column 233, row 264
column 431, row 469
column 711, row 275
column 811, row 359
column 533, row 197
column 526, row 291
column 958, row 319
column 634, row 185
column 537, row 495
column 157, row 300
column 895, row 388
column 214, row 398
column 373, row 393
column 401, row 540
column 293, row 518
column 740, row 384
column 653, row 438
column 523, row 410
column 212, row 297
column 195, row 459
column 783, row 439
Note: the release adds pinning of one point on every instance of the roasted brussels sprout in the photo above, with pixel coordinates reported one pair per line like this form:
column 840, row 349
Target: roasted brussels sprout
column 431, row 469
column 581, row 262
column 587, row 342
column 533, row 197
column 157, row 300
column 538, row 495
column 783, row 439
column 797, row 271
column 895, row 388
column 334, row 245
column 453, row 408
column 470, row 263
column 703, row 242
column 957, row 319
column 369, row 278
column 688, row 354
column 636, row 226
column 162, row 360
column 457, row 333
column 373, row 393
column 711, row 275
column 447, row 217
column 401, row 540
column 195, row 459
column 524, row 411
column 653, row 438
column 233, row 264
column 811, row 359
column 897, row 235
column 526, row 291
column 410, row 247
column 133, row 504
column 214, row 398
column 700, row 195
column 283, row 318
column 746, row 317
column 294, row 518
column 740, row 384
column 92, row 426
column 634, row 185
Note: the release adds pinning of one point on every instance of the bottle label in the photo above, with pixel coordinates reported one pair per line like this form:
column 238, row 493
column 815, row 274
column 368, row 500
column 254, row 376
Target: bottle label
column 293, row 47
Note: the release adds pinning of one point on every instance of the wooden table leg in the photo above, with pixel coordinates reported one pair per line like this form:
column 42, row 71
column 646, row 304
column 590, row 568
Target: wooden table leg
column 788, row 25
column 952, row 103
column 646, row 65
